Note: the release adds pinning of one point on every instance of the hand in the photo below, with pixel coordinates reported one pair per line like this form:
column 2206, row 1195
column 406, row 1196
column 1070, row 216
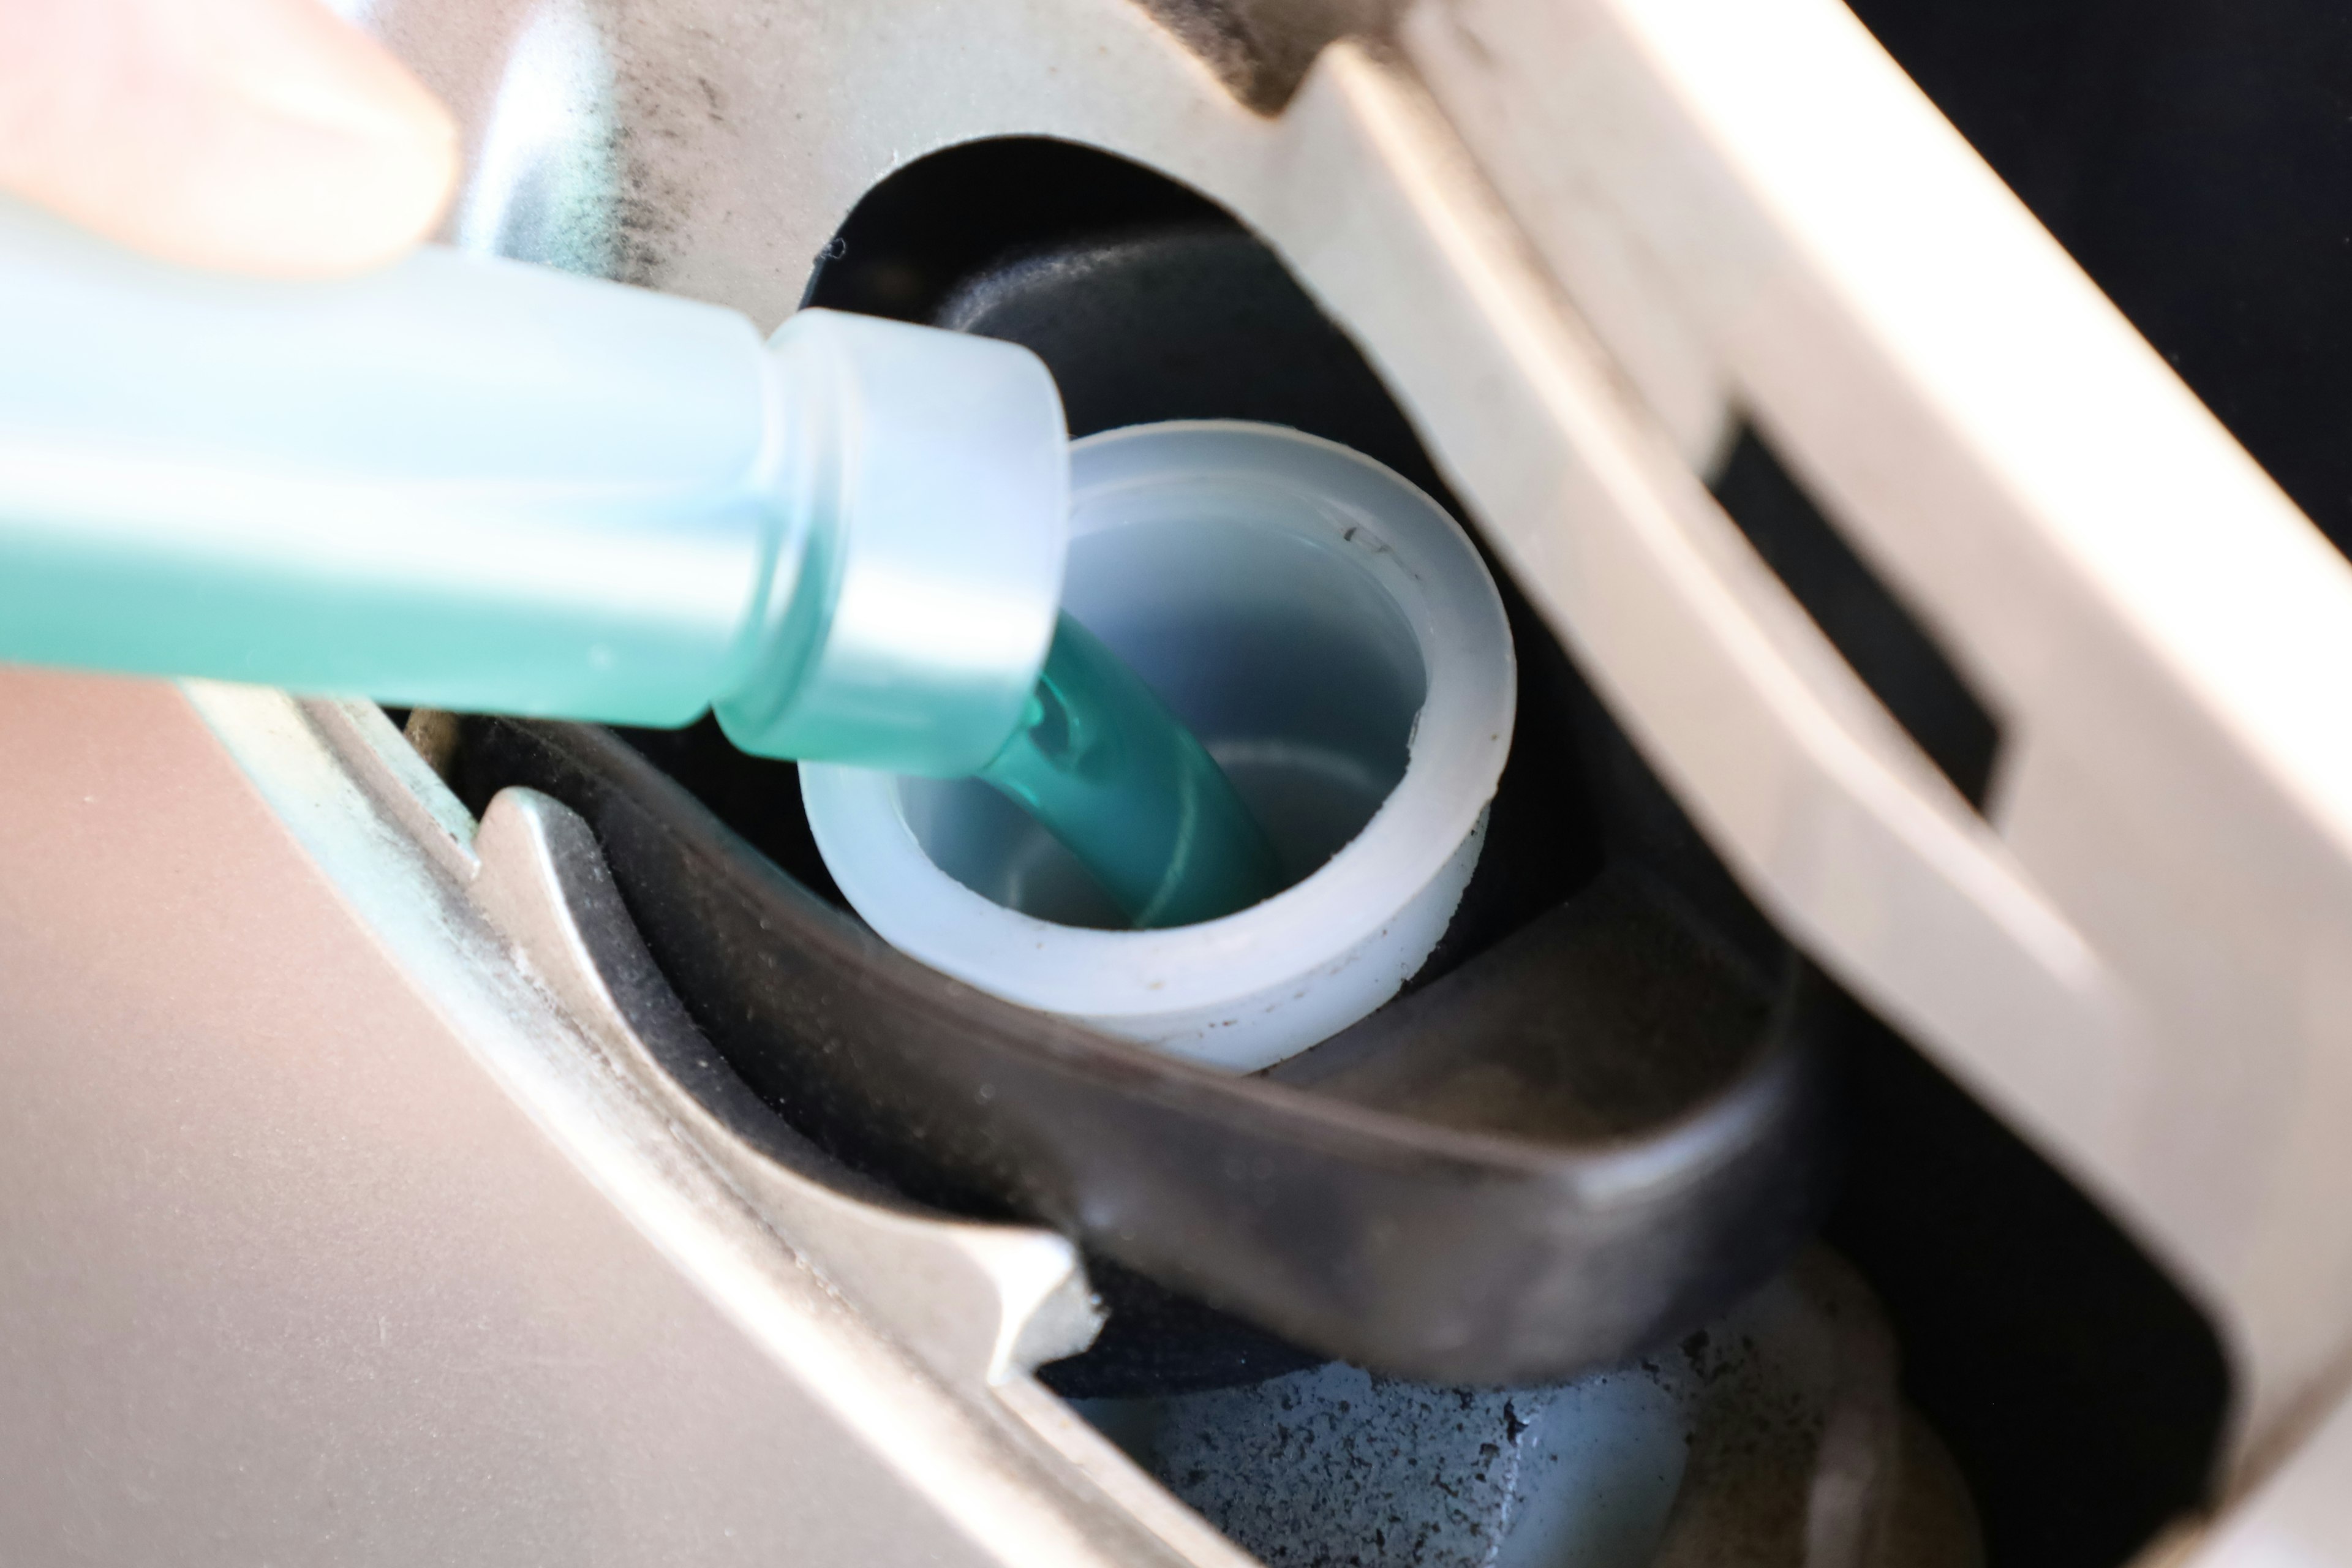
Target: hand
column 254, row 135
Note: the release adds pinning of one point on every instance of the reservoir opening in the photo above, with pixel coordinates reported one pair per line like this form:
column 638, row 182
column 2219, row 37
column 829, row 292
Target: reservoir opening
column 1332, row 634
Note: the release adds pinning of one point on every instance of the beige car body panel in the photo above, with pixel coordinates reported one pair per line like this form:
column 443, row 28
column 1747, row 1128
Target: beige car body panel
column 311, row 1092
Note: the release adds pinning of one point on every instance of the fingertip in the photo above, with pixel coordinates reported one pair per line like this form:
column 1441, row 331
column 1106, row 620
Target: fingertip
column 263, row 136
column 348, row 159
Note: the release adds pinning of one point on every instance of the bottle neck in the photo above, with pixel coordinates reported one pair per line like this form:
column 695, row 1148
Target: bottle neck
column 919, row 516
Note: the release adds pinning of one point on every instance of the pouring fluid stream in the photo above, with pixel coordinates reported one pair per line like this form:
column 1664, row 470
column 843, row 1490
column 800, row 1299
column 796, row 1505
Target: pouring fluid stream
column 487, row 486
column 1118, row 779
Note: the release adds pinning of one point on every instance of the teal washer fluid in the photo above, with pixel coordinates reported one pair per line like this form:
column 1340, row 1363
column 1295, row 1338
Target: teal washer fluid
column 1108, row 770
column 465, row 483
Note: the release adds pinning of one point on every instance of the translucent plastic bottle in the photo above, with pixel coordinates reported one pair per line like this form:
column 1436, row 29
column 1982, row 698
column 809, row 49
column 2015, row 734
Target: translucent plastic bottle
column 479, row 485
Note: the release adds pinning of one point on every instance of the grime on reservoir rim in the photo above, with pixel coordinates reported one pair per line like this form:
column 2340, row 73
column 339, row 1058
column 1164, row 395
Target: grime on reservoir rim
column 1118, row 779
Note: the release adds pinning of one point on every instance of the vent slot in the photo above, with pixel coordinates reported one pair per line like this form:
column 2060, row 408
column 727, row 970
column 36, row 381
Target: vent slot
column 1878, row 637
